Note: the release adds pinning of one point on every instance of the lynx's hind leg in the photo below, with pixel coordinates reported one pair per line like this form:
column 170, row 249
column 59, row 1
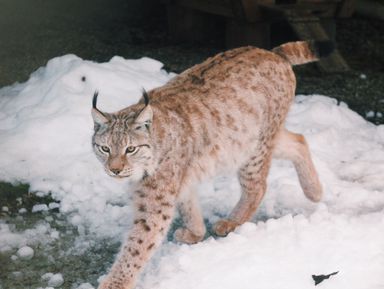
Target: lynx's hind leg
column 190, row 212
column 252, row 177
column 292, row 146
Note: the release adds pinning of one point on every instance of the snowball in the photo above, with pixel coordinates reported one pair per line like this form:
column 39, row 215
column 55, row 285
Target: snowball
column 25, row 253
column 55, row 234
column 17, row 275
column 49, row 218
column 22, row 211
column 47, row 276
column 85, row 286
column 39, row 208
column 56, row 280
column 53, row 205
column 370, row 114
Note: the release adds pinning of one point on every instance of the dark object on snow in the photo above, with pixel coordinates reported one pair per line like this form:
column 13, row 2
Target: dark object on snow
column 320, row 278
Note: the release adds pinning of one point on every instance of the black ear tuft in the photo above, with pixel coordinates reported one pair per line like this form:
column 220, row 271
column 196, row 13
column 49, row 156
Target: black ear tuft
column 94, row 100
column 146, row 97
column 323, row 48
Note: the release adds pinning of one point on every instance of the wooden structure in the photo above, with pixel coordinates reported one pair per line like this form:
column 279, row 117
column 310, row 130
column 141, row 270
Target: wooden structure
column 249, row 22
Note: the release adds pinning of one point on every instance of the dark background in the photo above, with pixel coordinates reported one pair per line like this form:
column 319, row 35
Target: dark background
column 34, row 31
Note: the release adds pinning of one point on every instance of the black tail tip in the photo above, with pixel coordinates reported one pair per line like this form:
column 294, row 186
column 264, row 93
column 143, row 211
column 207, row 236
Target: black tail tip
column 323, row 48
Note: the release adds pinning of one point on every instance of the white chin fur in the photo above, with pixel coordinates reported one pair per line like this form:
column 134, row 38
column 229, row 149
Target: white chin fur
column 136, row 175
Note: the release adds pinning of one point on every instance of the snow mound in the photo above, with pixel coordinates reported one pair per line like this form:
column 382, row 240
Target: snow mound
column 46, row 128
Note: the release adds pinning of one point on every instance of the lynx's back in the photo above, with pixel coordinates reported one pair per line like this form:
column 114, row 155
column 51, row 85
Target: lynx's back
column 229, row 103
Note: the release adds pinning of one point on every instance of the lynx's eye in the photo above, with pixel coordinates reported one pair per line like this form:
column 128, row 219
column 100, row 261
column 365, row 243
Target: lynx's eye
column 130, row 149
column 105, row 149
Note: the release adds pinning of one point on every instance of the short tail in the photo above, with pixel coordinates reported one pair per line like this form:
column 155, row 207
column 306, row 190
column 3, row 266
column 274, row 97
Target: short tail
column 302, row 52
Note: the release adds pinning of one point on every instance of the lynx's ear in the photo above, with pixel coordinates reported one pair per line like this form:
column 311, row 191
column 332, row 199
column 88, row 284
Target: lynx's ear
column 145, row 97
column 98, row 117
column 144, row 118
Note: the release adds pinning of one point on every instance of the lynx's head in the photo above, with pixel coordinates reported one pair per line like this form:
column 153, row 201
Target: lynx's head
column 122, row 140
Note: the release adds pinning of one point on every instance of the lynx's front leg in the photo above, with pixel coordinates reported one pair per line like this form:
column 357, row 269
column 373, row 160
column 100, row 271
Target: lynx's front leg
column 155, row 205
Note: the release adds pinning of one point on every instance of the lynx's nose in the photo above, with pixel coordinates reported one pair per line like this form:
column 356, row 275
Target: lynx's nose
column 115, row 171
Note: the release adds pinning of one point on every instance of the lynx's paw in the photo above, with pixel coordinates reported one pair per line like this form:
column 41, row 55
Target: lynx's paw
column 225, row 226
column 184, row 235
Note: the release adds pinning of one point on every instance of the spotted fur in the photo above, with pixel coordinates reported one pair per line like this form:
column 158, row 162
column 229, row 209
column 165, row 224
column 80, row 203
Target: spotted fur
column 225, row 114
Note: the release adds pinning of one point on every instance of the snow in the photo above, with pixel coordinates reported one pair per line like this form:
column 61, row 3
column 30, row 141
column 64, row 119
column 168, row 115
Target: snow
column 53, row 280
column 46, row 128
column 40, row 234
column 25, row 253
column 85, row 286
column 370, row 114
column 56, row 280
column 281, row 253
column 39, row 208
column 47, row 276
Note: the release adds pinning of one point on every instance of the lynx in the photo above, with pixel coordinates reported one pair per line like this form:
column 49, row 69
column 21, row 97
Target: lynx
column 226, row 113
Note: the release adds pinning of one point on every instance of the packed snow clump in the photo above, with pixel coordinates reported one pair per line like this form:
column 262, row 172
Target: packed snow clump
column 53, row 280
column 85, row 286
column 25, row 253
column 56, row 280
column 46, row 129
